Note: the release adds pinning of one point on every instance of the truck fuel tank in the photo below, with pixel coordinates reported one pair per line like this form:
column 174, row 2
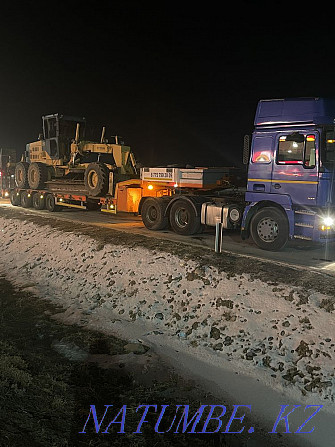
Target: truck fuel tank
column 229, row 215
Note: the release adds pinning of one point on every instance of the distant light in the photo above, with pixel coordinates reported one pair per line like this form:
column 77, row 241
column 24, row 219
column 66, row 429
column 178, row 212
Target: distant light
column 6, row 194
column 41, row 196
column 175, row 185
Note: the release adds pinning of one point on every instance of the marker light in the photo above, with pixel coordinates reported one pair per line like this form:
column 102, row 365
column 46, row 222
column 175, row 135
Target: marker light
column 6, row 194
column 150, row 187
column 175, row 185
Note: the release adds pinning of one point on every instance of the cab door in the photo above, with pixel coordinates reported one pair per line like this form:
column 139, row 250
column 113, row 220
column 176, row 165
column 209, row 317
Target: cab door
column 295, row 167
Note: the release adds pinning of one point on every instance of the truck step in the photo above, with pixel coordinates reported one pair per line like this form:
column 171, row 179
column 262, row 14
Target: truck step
column 298, row 236
column 305, row 212
column 304, row 224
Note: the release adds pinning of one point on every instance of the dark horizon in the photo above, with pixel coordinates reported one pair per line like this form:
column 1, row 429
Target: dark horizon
column 179, row 85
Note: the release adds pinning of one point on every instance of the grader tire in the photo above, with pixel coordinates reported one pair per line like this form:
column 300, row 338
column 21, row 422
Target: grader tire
column 37, row 175
column 96, row 179
column 21, row 174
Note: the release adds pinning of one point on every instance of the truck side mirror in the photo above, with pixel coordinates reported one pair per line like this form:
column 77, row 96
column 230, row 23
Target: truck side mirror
column 246, row 149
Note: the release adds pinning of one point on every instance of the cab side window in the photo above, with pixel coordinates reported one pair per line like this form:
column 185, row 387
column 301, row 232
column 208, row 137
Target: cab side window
column 297, row 148
column 291, row 149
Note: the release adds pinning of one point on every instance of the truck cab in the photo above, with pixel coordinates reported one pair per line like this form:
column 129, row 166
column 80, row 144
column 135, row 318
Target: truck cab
column 291, row 172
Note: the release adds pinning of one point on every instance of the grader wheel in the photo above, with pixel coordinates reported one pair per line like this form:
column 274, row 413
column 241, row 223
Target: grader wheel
column 96, row 179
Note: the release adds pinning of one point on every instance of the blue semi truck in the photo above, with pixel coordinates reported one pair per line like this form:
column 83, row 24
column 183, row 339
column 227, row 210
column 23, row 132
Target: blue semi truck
column 289, row 186
column 286, row 190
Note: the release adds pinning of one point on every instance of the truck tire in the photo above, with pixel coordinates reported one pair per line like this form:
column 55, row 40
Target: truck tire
column 152, row 213
column 184, row 219
column 15, row 198
column 26, row 199
column 21, row 174
column 38, row 201
column 50, row 204
column 37, row 175
column 269, row 229
column 96, row 179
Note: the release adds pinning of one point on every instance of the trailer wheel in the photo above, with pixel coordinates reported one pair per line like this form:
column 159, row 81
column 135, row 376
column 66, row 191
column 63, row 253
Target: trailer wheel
column 50, row 204
column 183, row 218
column 21, row 174
column 152, row 213
column 26, row 199
column 38, row 201
column 15, row 198
column 269, row 229
column 37, row 175
column 96, row 179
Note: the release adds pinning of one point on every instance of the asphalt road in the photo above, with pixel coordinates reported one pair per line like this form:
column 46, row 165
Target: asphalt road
column 303, row 254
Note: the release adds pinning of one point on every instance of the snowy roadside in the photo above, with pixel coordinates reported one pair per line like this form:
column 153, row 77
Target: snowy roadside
column 279, row 335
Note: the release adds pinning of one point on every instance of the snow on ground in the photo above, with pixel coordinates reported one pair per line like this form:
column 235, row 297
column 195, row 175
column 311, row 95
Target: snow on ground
column 277, row 334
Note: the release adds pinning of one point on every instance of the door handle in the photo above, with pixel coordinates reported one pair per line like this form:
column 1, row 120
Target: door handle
column 276, row 186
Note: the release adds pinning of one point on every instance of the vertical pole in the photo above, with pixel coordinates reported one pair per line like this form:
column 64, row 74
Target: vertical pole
column 218, row 237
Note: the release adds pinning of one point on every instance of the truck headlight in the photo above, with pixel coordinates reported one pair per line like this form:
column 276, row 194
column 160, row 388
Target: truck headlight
column 328, row 221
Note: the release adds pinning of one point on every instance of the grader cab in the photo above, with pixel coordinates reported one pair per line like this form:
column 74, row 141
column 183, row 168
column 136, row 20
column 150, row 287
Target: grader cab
column 65, row 151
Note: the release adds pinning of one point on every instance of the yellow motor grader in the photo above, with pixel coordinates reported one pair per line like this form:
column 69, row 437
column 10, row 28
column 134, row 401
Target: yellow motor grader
column 63, row 152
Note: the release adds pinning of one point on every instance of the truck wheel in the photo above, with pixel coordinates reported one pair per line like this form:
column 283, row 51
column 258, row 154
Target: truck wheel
column 26, row 199
column 183, row 218
column 269, row 229
column 152, row 213
column 15, row 198
column 38, row 201
column 96, row 179
column 50, row 204
column 37, row 175
column 21, row 174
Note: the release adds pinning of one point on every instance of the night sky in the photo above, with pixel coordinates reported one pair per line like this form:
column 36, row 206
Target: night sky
column 179, row 84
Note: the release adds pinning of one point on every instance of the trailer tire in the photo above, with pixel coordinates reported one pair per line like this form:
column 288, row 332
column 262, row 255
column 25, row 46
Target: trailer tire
column 153, row 214
column 269, row 229
column 15, row 198
column 26, row 200
column 37, row 175
column 184, row 219
column 96, row 179
column 38, row 201
column 50, row 204
column 21, row 174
